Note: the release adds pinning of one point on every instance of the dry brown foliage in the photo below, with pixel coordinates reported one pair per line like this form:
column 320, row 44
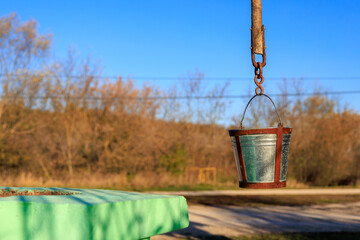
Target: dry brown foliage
column 60, row 125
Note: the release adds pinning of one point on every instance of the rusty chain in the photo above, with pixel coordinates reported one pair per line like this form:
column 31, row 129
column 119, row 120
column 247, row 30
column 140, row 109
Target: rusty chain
column 259, row 66
column 258, row 75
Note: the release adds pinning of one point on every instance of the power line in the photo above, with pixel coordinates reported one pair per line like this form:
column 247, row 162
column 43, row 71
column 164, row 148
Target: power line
column 182, row 97
column 225, row 78
column 247, row 78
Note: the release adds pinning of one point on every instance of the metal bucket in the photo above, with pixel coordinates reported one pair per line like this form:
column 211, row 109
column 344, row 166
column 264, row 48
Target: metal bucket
column 261, row 155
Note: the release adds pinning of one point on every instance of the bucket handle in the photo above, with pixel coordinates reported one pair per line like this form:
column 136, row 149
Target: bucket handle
column 277, row 113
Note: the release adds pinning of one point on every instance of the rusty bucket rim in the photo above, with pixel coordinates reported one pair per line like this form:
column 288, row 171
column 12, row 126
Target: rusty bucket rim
column 256, row 131
column 244, row 129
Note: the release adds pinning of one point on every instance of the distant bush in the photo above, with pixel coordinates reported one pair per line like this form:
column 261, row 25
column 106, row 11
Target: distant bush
column 59, row 121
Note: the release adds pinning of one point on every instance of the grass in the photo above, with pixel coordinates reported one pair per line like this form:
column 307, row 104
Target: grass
column 194, row 187
column 265, row 200
column 140, row 182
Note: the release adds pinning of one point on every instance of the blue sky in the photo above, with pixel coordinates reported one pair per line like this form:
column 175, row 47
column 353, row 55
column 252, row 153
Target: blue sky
column 169, row 38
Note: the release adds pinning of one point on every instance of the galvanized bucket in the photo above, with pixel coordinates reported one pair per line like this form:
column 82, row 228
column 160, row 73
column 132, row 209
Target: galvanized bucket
column 261, row 155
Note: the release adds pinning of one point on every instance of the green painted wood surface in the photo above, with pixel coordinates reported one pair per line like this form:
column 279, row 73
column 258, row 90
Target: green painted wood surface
column 90, row 215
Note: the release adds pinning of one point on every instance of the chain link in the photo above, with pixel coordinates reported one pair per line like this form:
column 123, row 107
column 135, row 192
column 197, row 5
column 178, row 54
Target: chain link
column 259, row 67
column 258, row 75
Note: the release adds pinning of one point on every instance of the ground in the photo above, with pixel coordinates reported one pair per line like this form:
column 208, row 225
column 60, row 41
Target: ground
column 235, row 216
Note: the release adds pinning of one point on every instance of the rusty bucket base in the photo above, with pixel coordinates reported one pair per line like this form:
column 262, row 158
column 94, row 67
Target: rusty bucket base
column 262, row 185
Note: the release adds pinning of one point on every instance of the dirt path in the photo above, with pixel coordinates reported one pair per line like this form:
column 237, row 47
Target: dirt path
column 327, row 191
column 228, row 221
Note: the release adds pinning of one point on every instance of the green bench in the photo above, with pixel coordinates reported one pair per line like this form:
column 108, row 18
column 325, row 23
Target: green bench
column 91, row 214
